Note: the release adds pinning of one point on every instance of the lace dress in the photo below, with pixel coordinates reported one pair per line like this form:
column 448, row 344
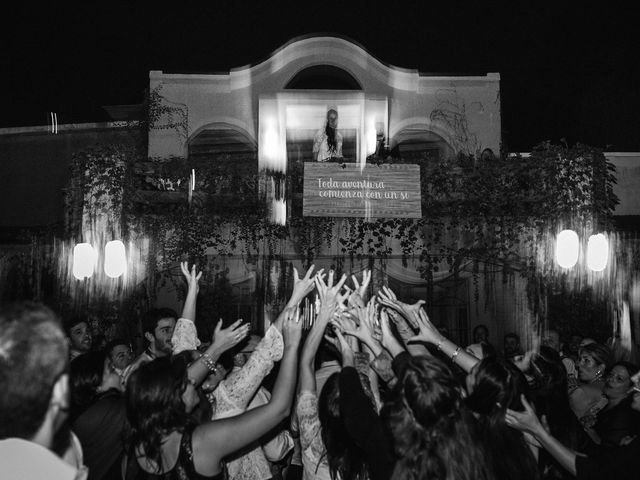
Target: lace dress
column 234, row 394
column 314, row 457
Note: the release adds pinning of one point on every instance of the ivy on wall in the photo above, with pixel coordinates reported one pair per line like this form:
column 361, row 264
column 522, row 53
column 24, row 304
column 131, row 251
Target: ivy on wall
column 476, row 209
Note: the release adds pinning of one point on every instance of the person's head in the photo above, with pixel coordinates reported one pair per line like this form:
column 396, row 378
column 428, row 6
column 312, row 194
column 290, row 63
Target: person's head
column 574, row 343
column 79, row 333
column 586, row 341
column 119, row 352
column 332, row 118
column 511, row 344
column 34, row 392
column 346, row 460
column 158, row 327
column 434, row 434
column 618, row 380
column 494, row 385
column 90, row 375
column 551, row 338
column 593, row 360
column 159, row 399
column 480, row 334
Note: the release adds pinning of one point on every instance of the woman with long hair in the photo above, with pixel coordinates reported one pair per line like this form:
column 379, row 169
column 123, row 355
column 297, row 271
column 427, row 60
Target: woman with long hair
column 98, row 415
column 327, row 142
column 435, row 435
column 548, row 391
column 164, row 441
column 495, row 385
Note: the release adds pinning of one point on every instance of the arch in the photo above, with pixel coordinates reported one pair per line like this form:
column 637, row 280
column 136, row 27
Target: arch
column 220, row 137
column 419, row 124
column 421, row 137
column 323, row 77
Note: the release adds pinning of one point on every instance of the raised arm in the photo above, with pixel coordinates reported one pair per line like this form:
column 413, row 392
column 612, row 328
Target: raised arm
column 388, row 298
column 193, row 278
column 223, row 340
column 429, row 334
column 329, row 298
column 185, row 335
column 302, row 286
column 527, row 421
column 220, row 438
column 365, row 329
column 406, row 332
column 389, row 341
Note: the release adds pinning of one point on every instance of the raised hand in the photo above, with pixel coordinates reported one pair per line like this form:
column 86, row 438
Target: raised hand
column 360, row 290
column 330, row 295
column 365, row 329
column 343, row 347
column 525, row 421
column 292, row 328
column 428, row 332
column 388, row 298
column 224, row 339
column 191, row 276
column 388, row 340
column 302, row 286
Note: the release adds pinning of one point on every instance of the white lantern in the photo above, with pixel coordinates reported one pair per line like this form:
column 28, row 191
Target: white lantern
column 115, row 259
column 84, row 260
column 597, row 252
column 567, row 248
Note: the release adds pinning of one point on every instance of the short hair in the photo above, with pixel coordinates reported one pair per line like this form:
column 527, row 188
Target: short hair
column 71, row 322
column 108, row 349
column 513, row 335
column 481, row 326
column 33, row 356
column 153, row 316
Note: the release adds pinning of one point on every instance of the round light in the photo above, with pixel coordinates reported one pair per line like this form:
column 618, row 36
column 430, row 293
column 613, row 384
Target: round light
column 115, row 259
column 567, row 248
column 84, row 260
column 597, row 252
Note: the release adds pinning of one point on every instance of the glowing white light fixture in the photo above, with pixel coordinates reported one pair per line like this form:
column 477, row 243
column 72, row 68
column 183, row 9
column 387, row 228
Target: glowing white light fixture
column 115, row 259
column 597, row 252
column 84, row 260
column 567, row 248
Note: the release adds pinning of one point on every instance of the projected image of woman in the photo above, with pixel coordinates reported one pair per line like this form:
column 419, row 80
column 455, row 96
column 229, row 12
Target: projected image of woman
column 327, row 142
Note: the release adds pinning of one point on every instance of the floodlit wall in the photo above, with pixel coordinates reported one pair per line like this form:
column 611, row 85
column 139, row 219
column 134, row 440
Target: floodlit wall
column 464, row 110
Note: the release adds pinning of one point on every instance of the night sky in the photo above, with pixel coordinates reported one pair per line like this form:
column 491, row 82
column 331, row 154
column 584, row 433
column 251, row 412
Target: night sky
column 566, row 72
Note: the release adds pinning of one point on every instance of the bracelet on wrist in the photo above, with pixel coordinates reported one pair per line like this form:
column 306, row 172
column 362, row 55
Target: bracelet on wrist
column 455, row 354
column 208, row 361
column 439, row 345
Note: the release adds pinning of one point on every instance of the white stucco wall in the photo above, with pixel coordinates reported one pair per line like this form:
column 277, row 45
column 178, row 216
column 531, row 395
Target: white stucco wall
column 468, row 107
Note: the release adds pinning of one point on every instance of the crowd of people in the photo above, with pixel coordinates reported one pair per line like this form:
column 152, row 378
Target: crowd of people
column 369, row 388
